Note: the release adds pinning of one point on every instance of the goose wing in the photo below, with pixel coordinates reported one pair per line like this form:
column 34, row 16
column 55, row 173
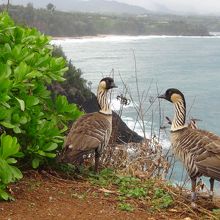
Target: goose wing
column 208, row 162
column 88, row 133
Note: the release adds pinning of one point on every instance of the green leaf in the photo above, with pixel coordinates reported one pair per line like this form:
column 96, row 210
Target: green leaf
column 5, row 174
column 17, row 130
column 4, row 195
column 34, row 74
column 17, row 174
column 50, row 147
column 35, row 163
column 7, row 124
column 50, row 155
column 20, row 72
column 22, row 104
column 11, row 161
column 19, row 155
column 23, row 120
column 9, row 146
column 42, row 153
column 31, row 101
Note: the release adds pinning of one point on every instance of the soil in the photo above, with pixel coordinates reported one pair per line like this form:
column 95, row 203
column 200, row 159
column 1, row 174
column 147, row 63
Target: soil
column 45, row 196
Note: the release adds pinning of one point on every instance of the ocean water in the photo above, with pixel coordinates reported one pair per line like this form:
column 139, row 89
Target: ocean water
column 149, row 65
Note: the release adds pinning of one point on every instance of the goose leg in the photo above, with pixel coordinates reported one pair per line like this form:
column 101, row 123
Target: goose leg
column 97, row 156
column 193, row 193
column 211, row 180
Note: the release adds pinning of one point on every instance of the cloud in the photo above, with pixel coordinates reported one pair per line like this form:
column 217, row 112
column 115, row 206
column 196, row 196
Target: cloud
column 179, row 6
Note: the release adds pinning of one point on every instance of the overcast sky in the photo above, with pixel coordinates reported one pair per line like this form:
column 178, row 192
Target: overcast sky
column 181, row 6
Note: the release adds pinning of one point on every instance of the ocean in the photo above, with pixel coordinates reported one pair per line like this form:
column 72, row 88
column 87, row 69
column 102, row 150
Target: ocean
column 144, row 66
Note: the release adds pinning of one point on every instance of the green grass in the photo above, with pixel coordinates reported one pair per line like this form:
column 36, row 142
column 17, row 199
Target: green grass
column 129, row 188
column 216, row 213
column 125, row 207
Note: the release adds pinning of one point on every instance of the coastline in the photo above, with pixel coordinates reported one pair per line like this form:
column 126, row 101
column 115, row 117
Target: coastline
column 131, row 37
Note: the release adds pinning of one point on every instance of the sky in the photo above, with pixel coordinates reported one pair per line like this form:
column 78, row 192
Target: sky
column 179, row 6
column 199, row 7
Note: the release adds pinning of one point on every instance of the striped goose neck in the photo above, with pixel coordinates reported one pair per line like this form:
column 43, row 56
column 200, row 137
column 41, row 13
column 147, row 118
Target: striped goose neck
column 179, row 116
column 103, row 101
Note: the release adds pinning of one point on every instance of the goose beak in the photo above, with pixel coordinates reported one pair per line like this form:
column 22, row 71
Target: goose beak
column 113, row 85
column 163, row 96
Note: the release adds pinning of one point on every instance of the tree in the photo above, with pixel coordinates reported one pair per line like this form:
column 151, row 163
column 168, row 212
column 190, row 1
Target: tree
column 29, row 14
column 50, row 7
column 32, row 124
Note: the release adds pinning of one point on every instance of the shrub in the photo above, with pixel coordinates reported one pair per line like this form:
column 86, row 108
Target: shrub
column 27, row 111
column 9, row 148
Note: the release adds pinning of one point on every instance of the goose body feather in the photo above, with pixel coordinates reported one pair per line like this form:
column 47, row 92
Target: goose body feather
column 196, row 149
column 90, row 132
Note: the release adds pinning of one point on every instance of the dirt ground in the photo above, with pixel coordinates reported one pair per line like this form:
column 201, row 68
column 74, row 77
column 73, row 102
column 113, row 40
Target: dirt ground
column 44, row 196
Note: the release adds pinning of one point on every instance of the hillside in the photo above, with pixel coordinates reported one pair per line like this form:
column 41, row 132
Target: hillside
column 65, row 24
column 42, row 195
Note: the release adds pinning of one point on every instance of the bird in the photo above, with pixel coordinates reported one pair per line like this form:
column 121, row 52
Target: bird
column 92, row 131
column 199, row 150
column 192, row 124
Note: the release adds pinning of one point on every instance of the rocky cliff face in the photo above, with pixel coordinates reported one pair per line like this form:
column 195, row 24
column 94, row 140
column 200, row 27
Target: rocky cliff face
column 121, row 132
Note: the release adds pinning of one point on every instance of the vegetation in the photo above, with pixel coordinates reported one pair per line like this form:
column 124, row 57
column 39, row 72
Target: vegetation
column 34, row 123
column 74, row 86
column 129, row 188
column 57, row 23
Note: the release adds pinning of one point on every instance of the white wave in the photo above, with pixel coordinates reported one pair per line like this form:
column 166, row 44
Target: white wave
column 116, row 105
column 119, row 38
column 165, row 143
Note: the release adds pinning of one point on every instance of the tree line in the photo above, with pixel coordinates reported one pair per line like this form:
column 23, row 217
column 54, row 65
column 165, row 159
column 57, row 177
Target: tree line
column 71, row 24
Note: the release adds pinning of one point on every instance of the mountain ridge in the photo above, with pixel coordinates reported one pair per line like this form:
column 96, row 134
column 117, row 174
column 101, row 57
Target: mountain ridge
column 95, row 6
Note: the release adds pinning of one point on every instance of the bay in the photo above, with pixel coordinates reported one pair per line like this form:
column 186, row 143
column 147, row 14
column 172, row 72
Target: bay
column 191, row 64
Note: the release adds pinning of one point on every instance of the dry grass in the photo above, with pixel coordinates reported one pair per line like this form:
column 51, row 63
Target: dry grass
column 143, row 160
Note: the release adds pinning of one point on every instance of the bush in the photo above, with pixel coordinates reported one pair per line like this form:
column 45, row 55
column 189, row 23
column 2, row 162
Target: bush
column 27, row 112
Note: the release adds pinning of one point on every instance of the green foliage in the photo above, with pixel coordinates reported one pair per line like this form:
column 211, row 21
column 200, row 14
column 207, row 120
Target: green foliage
column 27, row 111
column 106, row 177
column 216, row 213
column 57, row 23
column 9, row 150
column 162, row 199
column 125, row 207
column 73, row 78
column 129, row 187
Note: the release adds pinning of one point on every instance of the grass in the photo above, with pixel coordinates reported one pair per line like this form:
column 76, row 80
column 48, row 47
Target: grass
column 131, row 194
column 216, row 213
column 130, row 188
column 125, row 207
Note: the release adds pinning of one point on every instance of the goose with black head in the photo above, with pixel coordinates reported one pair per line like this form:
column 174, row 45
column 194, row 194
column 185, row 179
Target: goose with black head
column 91, row 132
column 199, row 150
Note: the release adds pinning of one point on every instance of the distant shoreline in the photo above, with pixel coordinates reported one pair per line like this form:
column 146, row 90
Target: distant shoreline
column 135, row 36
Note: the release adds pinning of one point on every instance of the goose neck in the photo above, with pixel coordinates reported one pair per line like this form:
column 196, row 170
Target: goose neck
column 179, row 116
column 102, row 97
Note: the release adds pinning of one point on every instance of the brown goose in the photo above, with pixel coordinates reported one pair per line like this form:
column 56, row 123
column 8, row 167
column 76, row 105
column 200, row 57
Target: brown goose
column 192, row 124
column 199, row 150
column 91, row 132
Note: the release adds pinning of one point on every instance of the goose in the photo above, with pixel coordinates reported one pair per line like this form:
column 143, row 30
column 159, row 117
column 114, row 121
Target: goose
column 192, row 124
column 92, row 131
column 199, row 150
